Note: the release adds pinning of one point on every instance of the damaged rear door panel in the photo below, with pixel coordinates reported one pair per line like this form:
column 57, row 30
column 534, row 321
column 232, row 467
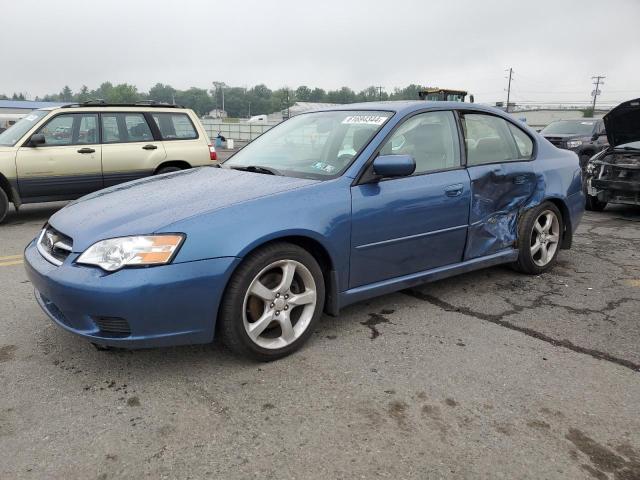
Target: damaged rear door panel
column 511, row 170
column 499, row 193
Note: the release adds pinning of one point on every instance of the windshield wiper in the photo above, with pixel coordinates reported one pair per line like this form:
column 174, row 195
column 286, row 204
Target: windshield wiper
column 256, row 169
column 631, row 149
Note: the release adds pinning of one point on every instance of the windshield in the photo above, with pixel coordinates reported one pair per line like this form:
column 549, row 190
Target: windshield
column 315, row 145
column 570, row 127
column 13, row 134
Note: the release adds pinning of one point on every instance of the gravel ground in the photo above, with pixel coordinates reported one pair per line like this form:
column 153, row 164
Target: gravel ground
column 492, row 374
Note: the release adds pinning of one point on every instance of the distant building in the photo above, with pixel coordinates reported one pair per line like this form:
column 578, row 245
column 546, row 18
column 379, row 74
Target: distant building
column 24, row 106
column 303, row 107
column 217, row 113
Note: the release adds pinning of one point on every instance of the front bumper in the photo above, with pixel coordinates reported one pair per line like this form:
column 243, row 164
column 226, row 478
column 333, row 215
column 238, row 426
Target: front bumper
column 166, row 305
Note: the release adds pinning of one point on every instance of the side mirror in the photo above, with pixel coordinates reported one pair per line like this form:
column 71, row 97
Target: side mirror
column 37, row 139
column 394, row 165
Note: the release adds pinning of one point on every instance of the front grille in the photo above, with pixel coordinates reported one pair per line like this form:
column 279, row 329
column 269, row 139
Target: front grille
column 54, row 245
column 113, row 326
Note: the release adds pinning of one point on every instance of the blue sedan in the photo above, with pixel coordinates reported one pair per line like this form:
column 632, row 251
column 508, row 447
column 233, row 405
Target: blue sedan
column 324, row 210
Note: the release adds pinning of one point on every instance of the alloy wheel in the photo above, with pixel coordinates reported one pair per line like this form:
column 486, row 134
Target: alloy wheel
column 545, row 238
column 279, row 304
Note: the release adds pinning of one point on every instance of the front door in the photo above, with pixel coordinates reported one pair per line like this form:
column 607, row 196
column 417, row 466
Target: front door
column 68, row 165
column 416, row 223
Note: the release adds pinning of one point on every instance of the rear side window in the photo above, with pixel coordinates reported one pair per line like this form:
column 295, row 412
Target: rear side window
column 125, row 128
column 175, row 126
column 491, row 139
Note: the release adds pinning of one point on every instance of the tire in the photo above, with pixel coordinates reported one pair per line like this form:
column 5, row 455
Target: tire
column 538, row 241
column 593, row 204
column 168, row 170
column 4, row 205
column 258, row 300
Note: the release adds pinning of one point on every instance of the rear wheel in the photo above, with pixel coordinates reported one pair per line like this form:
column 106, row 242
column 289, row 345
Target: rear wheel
column 539, row 237
column 272, row 302
column 594, row 205
column 4, row 205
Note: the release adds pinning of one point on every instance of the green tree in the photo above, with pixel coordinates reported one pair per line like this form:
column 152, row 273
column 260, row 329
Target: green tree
column 66, row 95
column 198, row 99
column 83, row 95
column 318, row 95
column 344, row 95
column 162, row 93
column 303, row 94
column 409, row 92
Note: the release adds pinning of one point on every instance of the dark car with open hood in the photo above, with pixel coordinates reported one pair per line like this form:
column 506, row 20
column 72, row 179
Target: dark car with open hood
column 613, row 175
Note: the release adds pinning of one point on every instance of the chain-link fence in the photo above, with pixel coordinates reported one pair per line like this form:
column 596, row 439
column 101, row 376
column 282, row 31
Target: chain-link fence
column 241, row 131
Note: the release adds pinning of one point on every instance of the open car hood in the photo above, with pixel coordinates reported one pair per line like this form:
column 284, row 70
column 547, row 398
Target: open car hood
column 623, row 123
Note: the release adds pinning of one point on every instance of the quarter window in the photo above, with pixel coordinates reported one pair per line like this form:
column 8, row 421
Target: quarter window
column 72, row 129
column 491, row 139
column 175, row 126
column 430, row 138
column 125, row 127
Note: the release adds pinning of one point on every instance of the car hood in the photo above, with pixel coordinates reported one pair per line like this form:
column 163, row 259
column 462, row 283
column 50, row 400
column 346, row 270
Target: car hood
column 147, row 205
column 623, row 123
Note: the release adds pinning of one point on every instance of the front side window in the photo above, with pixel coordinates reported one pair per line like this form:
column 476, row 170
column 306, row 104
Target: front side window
column 175, row 126
column 430, row 138
column 491, row 139
column 15, row 132
column 71, row 129
column 312, row 145
column 125, row 127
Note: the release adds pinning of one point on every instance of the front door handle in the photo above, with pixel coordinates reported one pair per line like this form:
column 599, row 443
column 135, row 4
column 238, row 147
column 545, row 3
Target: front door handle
column 454, row 190
column 86, row 150
column 149, row 147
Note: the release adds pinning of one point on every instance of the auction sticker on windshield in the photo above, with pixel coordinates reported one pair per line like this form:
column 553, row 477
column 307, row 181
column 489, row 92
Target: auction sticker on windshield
column 365, row 119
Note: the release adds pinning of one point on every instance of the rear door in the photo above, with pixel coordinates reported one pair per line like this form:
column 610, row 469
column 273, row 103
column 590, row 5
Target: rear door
column 68, row 165
column 499, row 161
column 411, row 224
column 129, row 149
column 181, row 138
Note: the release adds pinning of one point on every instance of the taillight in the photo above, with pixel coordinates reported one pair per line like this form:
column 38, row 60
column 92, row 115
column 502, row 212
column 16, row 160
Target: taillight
column 212, row 153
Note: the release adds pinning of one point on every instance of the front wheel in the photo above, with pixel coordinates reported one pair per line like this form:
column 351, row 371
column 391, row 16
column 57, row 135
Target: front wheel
column 4, row 205
column 272, row 302
column 539, row 237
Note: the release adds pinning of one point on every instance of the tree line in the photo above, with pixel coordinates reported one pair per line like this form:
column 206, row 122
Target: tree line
column 239, row 102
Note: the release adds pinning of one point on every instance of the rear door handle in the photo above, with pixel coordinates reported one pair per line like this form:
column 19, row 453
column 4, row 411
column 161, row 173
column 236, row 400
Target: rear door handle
column 86, row 150
column 520, row 179
column 454, row 190
column 149, row 147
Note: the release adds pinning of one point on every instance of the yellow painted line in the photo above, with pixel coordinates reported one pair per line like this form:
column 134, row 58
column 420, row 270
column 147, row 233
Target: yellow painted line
column 10, row 257
column 634, row 282
column 8, row 264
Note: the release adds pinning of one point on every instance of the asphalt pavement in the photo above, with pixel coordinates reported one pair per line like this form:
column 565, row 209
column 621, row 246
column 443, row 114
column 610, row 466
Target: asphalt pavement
column 492, row 374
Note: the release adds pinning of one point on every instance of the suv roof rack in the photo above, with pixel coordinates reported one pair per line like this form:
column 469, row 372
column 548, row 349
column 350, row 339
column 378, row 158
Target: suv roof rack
column 142, row 103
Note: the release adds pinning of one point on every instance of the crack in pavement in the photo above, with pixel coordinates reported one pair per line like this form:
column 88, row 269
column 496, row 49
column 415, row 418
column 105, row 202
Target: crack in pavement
column 498, row 320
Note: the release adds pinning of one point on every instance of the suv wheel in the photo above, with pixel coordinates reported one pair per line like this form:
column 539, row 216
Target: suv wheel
column 539, row 237
column 272, row 302
column 4, row 205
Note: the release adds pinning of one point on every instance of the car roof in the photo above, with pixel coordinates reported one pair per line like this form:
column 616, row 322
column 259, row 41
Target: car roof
column 408, row 106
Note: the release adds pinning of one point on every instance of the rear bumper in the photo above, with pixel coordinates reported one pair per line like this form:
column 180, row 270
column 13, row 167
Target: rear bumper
column 162, row 306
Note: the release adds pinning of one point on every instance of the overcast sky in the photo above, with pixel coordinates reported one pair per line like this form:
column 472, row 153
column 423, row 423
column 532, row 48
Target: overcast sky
column 554, row 46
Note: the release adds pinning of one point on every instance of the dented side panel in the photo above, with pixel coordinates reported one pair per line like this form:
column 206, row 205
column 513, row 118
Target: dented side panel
column 502, row 192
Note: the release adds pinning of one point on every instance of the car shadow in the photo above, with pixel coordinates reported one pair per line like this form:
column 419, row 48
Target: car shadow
column 36, row 212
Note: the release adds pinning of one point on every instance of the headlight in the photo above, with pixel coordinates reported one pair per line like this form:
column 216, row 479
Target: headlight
column 574, row 143
column 115, row 253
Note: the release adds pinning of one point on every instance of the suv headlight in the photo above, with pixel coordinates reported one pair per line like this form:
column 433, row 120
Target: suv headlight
column 116, row 253
column 574, row 143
